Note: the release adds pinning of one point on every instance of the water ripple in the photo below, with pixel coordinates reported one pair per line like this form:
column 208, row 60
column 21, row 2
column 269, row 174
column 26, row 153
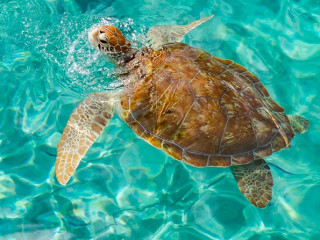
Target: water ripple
column 124, row 188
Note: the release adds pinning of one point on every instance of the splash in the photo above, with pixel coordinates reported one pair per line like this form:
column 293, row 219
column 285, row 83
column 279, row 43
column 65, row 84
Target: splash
column 85, row 68
column 72, row 63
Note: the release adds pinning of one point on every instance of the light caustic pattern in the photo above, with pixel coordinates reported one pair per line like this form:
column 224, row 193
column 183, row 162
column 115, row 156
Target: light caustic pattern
column 125, row 188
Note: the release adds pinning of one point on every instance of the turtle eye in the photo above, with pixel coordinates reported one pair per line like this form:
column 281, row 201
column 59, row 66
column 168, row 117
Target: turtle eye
column 103, row 41
column 100, row 31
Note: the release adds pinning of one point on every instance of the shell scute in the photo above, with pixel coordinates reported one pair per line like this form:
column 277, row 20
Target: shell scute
column 264, row 127
column 137, row 127
column 152, row 139
column 203, row 123
column 173, row 149
column 159, row 58
column 252, row 98
column 274, row 106
column 237, row 129
column 224, row 61
column 181, row 50
column 162, row 83
column 282, row 117
column 185, row 70
column 205, row 62
column 195, row 159
column 253, row 79
column 279, row 142
column 208, row 85
column 170, row 109
column 234, row 103
column 147, row 95
column 263, row 151
column 243, row 158
column 235, row 80
column 219, row 161
column 261, row 89
column 238, row 68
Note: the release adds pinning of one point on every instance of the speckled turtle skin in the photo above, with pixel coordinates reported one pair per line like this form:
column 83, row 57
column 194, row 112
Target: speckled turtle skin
column 201, row 109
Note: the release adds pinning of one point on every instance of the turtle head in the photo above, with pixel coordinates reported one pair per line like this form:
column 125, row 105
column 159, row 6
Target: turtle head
column 110, row 41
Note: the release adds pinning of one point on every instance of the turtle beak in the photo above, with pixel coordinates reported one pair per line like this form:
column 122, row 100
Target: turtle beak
column 102, row 36
column 93, row 37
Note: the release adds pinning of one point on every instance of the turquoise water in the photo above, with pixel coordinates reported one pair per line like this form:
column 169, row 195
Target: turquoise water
column 124, row 188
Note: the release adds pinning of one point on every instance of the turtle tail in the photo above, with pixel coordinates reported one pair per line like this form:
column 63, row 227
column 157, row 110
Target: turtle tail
column 299, row 124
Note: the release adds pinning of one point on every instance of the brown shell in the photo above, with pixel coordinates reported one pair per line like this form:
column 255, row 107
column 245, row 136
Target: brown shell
column 202, row 109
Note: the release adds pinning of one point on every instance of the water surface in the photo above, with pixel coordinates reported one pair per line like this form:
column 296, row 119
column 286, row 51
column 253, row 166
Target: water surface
column 125, row 188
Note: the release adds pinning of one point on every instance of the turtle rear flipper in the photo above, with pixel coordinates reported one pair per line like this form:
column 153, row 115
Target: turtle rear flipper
column 159, row 35
column 255, row 182
column 299, row 124
column 84, row 126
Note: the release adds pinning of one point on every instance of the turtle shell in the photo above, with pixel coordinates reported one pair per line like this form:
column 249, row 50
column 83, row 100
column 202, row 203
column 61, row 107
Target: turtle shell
column 201, row 109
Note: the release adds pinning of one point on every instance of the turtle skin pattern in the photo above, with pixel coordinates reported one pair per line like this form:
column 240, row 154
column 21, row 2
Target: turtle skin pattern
column 201, row 109
column 255, row 182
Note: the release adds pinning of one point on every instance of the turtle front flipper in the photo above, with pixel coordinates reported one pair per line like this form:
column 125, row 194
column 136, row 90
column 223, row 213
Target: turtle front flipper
column 159, row 35
column 299, row 124
column 83, row 128
column 255, row 182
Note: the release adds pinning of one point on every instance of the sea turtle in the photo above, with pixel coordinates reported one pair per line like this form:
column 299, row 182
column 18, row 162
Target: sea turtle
column 199, row 109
